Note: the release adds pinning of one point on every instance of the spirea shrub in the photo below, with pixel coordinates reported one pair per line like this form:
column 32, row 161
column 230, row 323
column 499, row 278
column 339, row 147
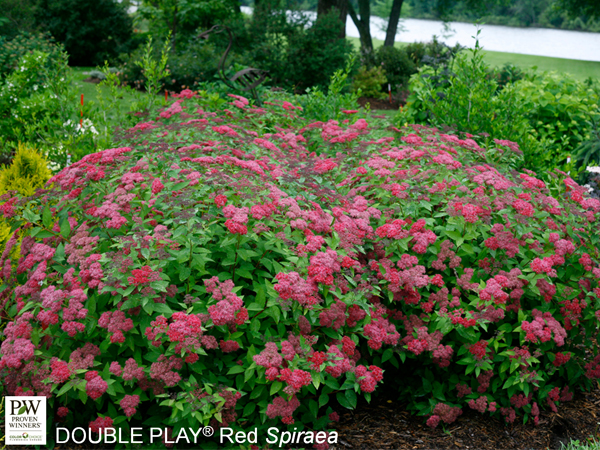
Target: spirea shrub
column 247, row 268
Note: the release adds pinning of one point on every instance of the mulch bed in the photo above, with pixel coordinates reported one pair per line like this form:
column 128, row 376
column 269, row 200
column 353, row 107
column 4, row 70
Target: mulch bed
column 93, row 80
column 384, row 424
column 379, row 104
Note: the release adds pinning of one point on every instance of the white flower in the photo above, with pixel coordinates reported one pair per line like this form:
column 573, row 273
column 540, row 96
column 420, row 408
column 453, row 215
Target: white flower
column 53, row 166
column 588, row 187
column 35, row 87
column 593, row 169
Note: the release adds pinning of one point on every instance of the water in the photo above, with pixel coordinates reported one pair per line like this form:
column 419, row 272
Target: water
column 528, row 41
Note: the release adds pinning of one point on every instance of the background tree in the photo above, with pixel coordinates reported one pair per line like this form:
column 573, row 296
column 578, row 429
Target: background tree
column 575, row 8
column 16, row 16
column 184, row 17
column 392, row 29
column 326, row 6
column 363, row 24
column 92, row 31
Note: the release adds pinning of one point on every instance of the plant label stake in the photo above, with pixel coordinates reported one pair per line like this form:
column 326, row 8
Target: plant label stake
column 81, row 119
column 390, row 91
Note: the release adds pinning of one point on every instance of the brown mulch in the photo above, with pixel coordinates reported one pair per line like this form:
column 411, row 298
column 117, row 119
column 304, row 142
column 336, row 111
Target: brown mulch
column 379, row 104
column 92, row 80
column 383, row 424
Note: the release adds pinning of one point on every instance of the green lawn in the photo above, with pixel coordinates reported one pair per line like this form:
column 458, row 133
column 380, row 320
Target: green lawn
column 90, row 90
column 579, row 69
column 100, row 99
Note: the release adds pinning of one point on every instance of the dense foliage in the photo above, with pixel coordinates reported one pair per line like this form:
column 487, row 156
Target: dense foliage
column 17, row 16
column 296, row 54
column 91, row 31
column 13, row 50
column 183, row 18
column 27, row 172
column 565, row 14
column 246, row 267
column 548, row 114
column 32, row 94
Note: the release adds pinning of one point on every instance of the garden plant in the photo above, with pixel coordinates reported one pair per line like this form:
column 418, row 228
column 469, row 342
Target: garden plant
column 550, row 115
column 243, row 267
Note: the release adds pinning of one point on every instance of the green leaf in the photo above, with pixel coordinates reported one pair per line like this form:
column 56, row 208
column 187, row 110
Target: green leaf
column 47, row 217
column 249, row 409
column 184, row 273
column 162, row 308
column 65, row 228
column 323, row 399
column 64, row 389
column 342, row 400
column 351, row 397
column 257, row 392
column 45, row 234
column 30, row 216
column 274, row 312
column 313, row 407
column 276, row 387
column 149, row 307
column 387, row 355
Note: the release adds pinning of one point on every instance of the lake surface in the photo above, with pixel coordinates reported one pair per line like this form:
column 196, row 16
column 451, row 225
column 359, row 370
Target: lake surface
column 528, row 41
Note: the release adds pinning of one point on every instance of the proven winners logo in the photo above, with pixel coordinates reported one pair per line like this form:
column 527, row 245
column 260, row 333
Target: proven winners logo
column 25, row 420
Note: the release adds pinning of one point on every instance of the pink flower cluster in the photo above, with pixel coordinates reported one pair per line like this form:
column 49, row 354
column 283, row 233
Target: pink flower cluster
column 543, row 328
column 283, row 408
column 101, row 423
column 229, row 309
column 95, row 386
column 368, row 378
column 129, row 403
column 445, row 413
column 291, row 286
column 116, row 323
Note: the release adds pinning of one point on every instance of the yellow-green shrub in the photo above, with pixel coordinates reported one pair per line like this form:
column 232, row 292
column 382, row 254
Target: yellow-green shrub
column 28, row 172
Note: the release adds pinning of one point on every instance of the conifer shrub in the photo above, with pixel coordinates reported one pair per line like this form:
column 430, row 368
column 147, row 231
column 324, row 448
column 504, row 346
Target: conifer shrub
column 27, row 173
column 245, row 267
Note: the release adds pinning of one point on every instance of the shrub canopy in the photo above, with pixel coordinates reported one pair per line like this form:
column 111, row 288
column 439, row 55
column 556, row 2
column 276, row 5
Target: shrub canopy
column 245, row 267
column 92, row 31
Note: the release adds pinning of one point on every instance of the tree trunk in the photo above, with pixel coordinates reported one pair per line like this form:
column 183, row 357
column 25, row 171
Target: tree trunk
column 392, row 29
column 363, row 24
column 325, row 6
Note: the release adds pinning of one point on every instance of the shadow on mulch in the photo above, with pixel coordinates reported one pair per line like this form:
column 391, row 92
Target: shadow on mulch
column 385, row 425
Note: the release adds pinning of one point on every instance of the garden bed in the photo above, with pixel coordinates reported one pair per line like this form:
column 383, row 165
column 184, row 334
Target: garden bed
column 386, row 424
column 379, row 104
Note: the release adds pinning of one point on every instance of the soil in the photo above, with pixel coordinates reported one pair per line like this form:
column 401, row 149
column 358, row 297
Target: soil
column 92, row 80
column 379, row 104
column 384, row 424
